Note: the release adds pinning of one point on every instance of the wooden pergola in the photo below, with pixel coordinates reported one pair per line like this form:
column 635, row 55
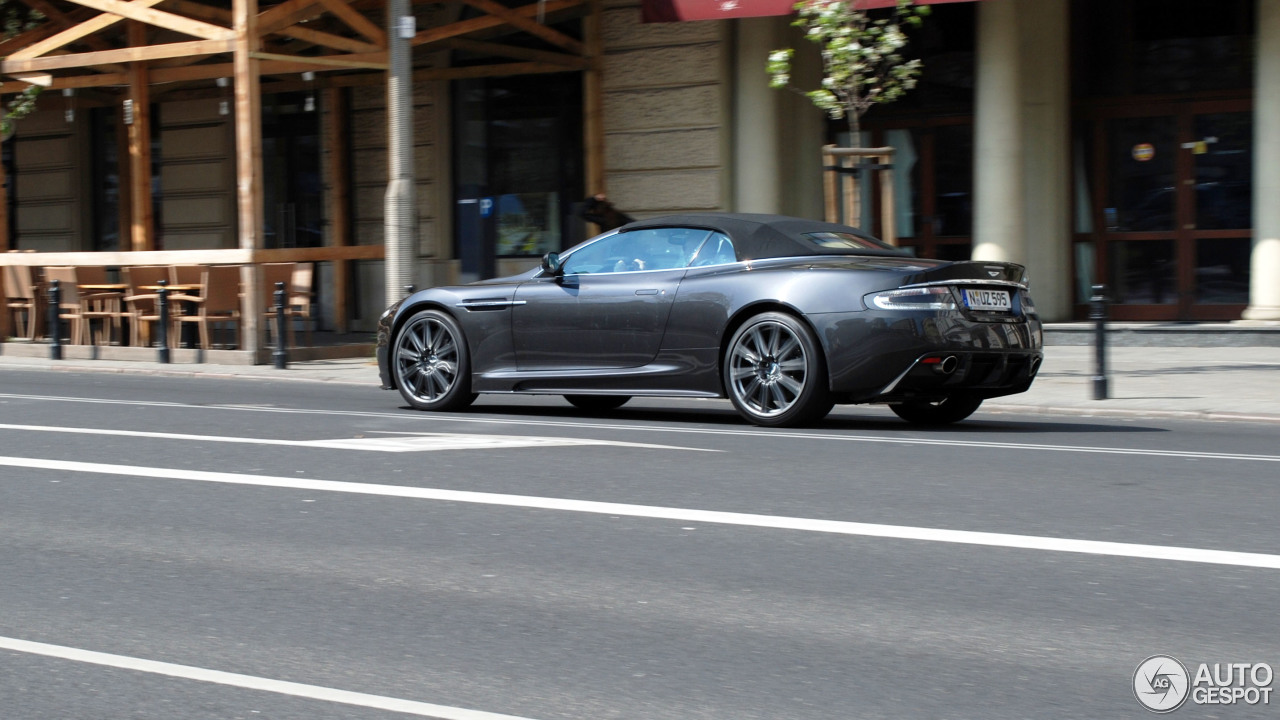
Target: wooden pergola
column 131, row 52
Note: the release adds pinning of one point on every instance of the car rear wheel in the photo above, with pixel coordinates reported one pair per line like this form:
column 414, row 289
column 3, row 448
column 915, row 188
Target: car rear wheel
column 950, row 409
column 432, row 366
column 774, row 372
column 597, row 403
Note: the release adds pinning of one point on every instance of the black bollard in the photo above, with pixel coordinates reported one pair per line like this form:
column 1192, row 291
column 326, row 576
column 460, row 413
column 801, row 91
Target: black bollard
column 1098, row 313
column 55, row 321
column 409, row 290
column 280, row 354
column 162, row 309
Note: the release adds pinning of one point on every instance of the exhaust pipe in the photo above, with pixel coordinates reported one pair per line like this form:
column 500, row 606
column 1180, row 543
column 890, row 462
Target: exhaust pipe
column 949, row 364
column 1035, row 366
column 944, row 366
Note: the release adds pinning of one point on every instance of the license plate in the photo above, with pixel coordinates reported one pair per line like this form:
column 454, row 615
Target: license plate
column 990, row 300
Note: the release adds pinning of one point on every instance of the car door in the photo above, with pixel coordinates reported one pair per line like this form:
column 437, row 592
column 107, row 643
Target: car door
column 610, row 306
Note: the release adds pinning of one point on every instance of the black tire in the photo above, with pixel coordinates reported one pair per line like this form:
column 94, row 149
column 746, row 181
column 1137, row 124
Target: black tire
column 597, row 403
column 774, row 372
column 950, row 409
column 431, row 363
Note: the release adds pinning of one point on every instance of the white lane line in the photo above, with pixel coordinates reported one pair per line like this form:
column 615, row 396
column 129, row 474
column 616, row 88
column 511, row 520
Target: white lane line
column 735, row 432
column 899, row 532
column 408, row 442
column 251, row 682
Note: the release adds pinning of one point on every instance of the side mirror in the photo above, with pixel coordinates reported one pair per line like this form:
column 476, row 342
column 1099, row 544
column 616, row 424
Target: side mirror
column 551, row 264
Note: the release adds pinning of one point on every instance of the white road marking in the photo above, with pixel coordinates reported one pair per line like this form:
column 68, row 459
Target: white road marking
column 250, row 682
column 899, row 532
column 736, row 432
column 408, row 442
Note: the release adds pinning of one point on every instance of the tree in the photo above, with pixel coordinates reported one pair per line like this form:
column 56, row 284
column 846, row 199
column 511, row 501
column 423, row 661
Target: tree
column 862, row 57
column 18, row 18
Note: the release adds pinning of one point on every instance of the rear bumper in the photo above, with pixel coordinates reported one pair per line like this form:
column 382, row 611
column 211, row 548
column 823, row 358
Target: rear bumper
column 875, row 356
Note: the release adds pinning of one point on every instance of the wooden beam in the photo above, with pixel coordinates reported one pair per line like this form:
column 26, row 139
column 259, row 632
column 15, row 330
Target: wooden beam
column 329, row 40
column 232, row 256
column 105, row 57
column 523, row 22
column 327, row 60
column 337, row 199
column 466, row 27
column 593, row 101
column 479, row 71
column 160, row 18
column 249, row 191
column 70, row 35
column 488, row 48
column 284, row 14
column 356, row 21
column 63, row 20
column 142, row 220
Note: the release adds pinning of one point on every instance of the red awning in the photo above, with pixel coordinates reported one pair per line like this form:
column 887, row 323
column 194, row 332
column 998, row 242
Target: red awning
column 676, row 10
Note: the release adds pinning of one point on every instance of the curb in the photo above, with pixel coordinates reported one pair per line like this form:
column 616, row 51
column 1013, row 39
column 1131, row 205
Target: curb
column 1200, row 415
column 167, row 372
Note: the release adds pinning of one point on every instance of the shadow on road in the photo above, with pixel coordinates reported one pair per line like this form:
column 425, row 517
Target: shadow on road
column 850, row 418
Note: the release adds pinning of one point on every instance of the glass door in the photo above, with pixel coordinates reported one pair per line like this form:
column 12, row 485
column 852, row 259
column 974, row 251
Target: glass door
column 1171, row 211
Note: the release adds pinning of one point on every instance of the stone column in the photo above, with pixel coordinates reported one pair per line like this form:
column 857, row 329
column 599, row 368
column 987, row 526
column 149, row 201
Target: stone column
column 1264, row 282
column 1046, row 127
column 999, row 224
column 1021, row 147
column 757, row 172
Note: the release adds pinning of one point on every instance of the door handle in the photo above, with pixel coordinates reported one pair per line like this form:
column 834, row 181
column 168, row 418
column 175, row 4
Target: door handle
column 652, row 291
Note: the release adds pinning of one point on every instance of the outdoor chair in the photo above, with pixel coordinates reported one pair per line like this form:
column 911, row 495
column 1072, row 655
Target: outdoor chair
column 218, row 302
column 140, row 302
column 81, row 309
column 300, row 298
column 273, row 273
column 23, row 300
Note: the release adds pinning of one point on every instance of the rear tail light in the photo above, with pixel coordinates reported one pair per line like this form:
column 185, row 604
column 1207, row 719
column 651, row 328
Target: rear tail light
column 935, row 297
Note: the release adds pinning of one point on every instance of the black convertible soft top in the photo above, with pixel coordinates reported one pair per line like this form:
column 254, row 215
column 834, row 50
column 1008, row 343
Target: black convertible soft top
column 757, row 236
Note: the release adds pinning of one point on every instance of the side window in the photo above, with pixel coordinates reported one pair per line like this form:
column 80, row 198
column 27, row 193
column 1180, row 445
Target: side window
column 717, row 250
column 648, row 249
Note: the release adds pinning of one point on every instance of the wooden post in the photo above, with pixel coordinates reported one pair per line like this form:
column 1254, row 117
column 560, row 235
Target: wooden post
column 124, row 183
column 138, row 116
column 248, row 115
column 888, row 227
column 5, row 243
column 593, row 99
column 5, row 247
column 842, row 187
column 830, row 179
column 338, row 201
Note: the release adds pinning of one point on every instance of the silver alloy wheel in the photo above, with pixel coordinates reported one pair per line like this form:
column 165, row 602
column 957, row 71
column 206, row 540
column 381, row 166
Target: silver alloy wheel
column 768, row 369
column 427, row 359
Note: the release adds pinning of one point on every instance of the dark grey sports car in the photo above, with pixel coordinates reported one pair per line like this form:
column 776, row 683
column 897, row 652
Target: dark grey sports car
column 785, row 317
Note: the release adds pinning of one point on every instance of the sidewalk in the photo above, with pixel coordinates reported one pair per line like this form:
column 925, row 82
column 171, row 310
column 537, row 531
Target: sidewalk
column 1206, row 383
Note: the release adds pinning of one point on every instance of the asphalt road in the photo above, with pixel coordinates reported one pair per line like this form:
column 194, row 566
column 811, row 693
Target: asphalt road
column 204, row 548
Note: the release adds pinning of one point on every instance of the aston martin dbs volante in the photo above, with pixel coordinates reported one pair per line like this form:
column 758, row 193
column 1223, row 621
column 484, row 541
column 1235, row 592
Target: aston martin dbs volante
column 785, row 317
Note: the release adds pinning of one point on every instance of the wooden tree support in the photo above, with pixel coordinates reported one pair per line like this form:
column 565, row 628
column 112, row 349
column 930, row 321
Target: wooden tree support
column 843, row 170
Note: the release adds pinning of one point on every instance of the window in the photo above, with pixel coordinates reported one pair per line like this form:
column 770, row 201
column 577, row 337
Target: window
column 650, row 249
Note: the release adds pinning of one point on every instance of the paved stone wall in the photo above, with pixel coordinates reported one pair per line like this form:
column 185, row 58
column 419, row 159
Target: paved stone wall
column 664, row 113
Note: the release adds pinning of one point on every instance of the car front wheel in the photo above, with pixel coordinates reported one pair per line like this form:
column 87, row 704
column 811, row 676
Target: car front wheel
column 774, row 372
column 950, row 409
column 432, row 366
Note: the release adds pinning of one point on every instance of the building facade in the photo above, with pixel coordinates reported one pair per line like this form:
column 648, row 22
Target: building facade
column 1125, row 142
